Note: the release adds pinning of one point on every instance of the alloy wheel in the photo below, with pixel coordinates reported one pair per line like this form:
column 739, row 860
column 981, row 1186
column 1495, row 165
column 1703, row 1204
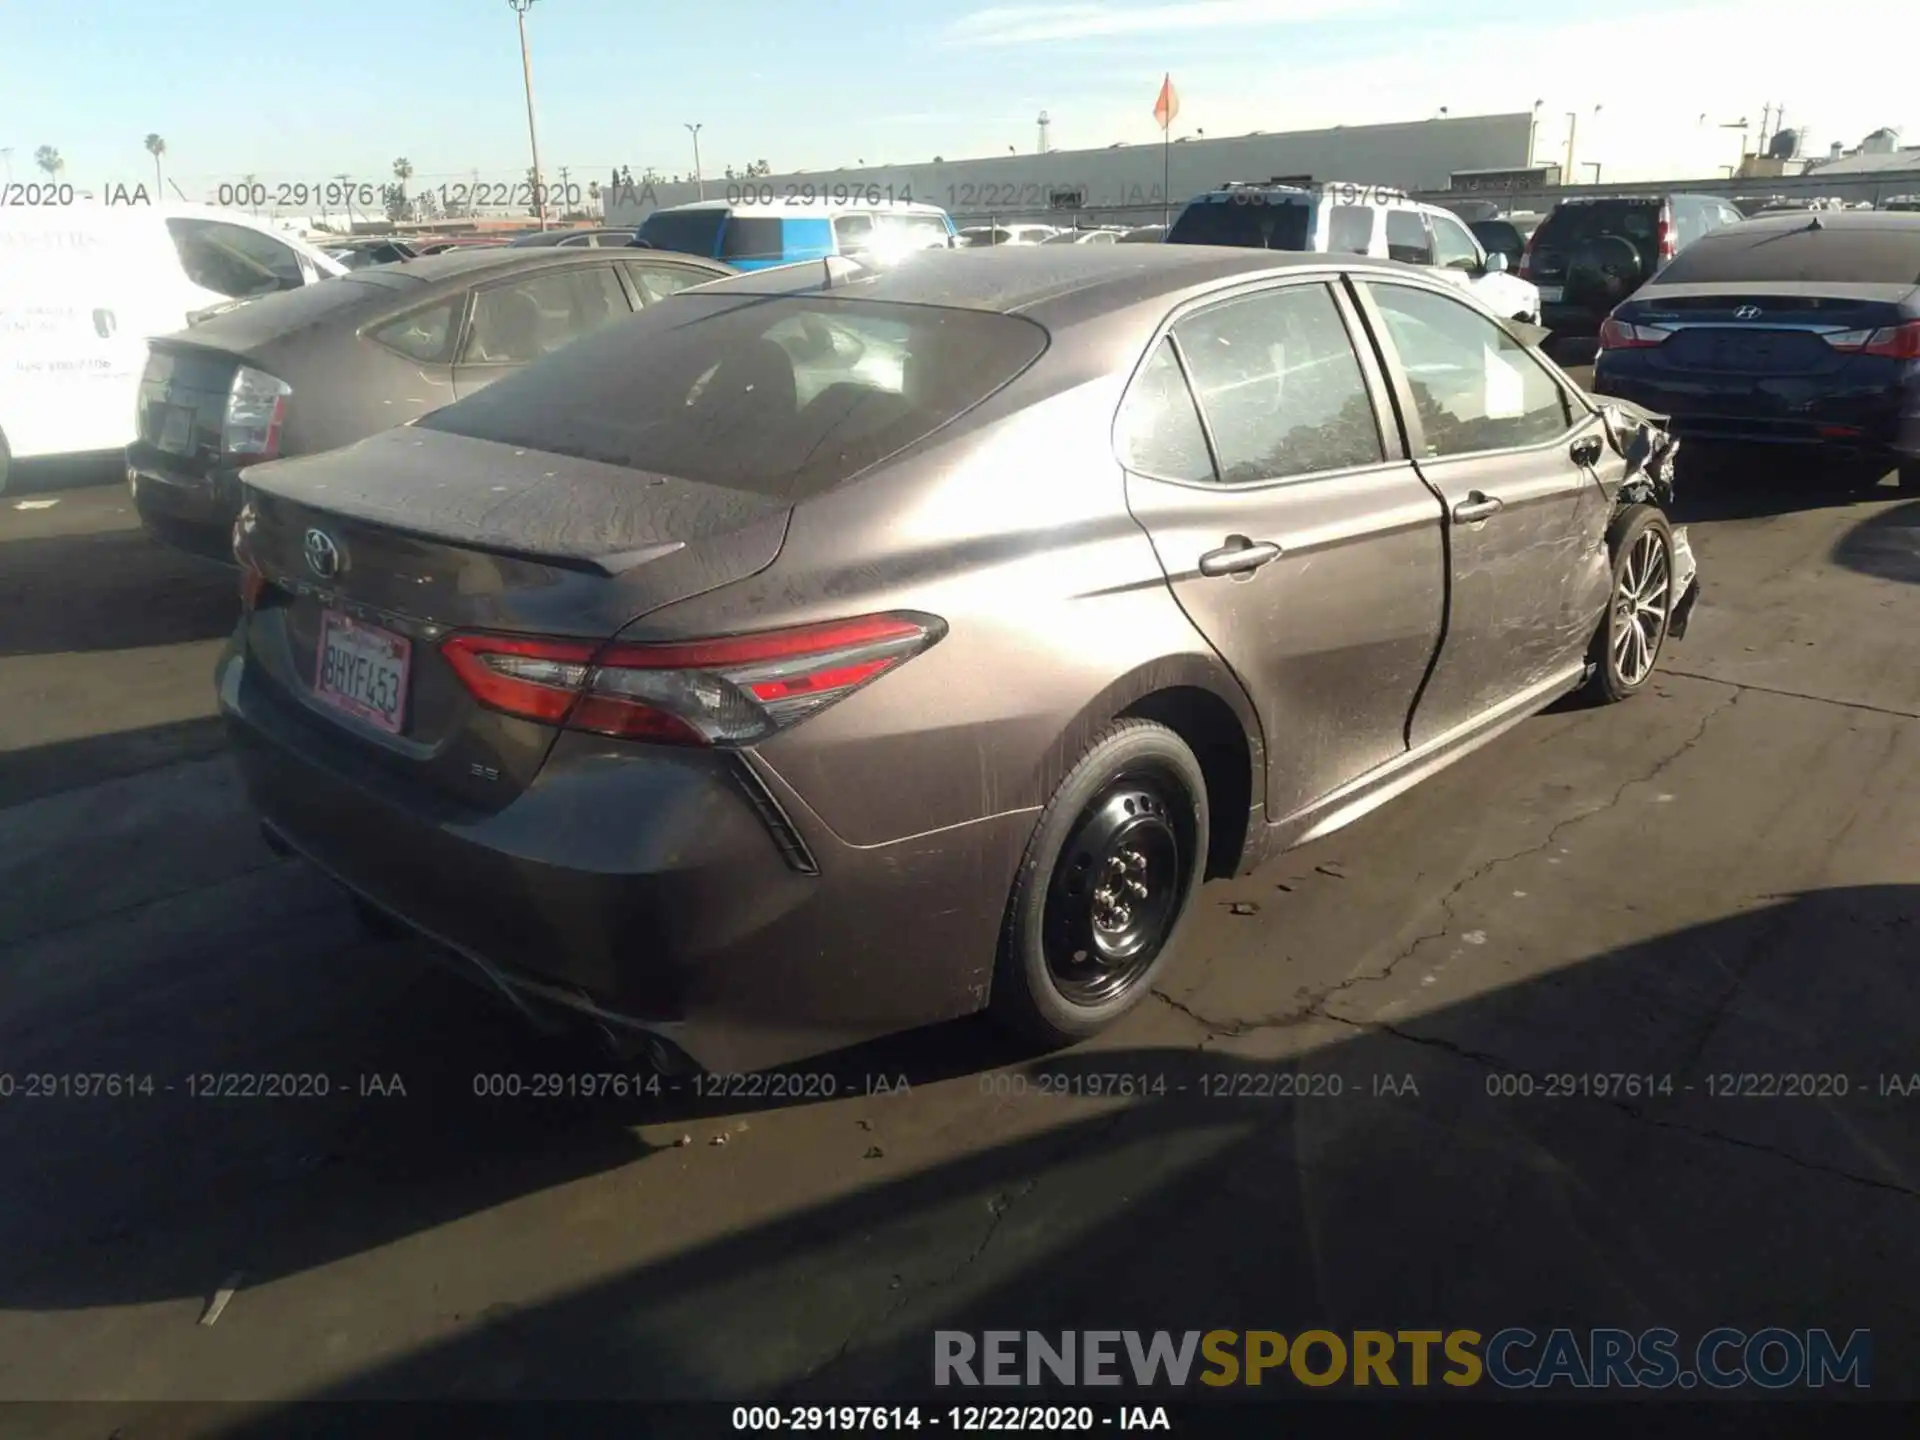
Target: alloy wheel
column 1641, row 605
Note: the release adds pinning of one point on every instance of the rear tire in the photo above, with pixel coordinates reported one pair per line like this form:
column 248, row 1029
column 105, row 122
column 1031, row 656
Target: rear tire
column 1108, row 877
column 1640, row 604
column 1910, row 477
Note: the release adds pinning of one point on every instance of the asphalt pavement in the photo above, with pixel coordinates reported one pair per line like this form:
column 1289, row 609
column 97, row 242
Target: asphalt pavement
column 1327, row 1125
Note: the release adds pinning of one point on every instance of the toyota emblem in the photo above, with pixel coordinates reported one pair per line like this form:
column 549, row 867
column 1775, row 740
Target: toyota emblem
column 323, row 556
column 1747, row 312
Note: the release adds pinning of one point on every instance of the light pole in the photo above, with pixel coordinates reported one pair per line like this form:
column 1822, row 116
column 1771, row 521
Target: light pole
column 520, row 8
column 1533, row 132
column 694, row 130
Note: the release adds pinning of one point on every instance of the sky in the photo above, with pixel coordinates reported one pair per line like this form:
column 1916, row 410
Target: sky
column 316, row 89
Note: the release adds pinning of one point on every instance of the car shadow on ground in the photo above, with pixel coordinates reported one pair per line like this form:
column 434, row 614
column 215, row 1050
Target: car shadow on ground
column 1750, row 483
column 108, row 590
column 49, row 769
column 1886, row 545
column 1402, row 1177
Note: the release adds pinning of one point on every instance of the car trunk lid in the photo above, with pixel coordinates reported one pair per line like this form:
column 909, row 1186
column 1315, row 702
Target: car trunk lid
column 1762, row 330
column 371, row 555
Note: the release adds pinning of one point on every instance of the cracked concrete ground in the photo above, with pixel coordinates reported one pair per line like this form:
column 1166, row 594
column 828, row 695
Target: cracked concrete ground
column 1344, row 1109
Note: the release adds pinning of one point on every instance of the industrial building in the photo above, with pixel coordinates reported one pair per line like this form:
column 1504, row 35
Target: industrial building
column 1128, row 183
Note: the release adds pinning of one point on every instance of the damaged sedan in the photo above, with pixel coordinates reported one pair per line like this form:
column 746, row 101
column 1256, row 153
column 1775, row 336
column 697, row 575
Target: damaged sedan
column 830, row 650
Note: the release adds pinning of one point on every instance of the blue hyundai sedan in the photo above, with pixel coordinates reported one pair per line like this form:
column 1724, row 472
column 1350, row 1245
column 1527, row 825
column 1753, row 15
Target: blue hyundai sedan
column 1798, row 329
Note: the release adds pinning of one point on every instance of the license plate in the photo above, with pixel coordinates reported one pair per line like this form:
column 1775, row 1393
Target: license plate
column 1550, row 294
column 361, row 670
column 176, row 430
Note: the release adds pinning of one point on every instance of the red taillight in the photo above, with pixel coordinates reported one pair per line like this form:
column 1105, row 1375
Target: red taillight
column 1663, row 234
column 1890, row 342
column 733, row 690
column 1526, row 257
column 1619, row 335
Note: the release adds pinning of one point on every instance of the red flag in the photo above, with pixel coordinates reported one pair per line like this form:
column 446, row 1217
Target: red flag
column 1168, row 105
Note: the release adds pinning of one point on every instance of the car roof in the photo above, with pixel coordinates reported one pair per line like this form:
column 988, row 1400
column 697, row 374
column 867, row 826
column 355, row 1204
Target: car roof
column 1054, row 285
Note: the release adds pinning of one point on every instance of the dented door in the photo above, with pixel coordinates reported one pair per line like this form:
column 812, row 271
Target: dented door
column 1512, row 456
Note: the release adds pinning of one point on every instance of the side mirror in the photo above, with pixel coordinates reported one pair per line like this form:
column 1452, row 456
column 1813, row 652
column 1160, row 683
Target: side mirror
column 1496, row 263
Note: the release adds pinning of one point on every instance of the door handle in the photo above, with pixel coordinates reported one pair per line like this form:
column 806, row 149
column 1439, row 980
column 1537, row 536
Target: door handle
column 1476, row 507
column 1586, row 450
column 1240, row 556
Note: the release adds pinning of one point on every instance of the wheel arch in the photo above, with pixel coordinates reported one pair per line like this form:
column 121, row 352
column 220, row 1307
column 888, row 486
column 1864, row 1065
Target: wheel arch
column 1199, row 699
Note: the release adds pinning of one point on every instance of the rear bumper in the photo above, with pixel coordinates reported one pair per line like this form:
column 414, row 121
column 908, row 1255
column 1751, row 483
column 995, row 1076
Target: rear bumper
column 189, row 506
column 1769, row 412
column 652, row 891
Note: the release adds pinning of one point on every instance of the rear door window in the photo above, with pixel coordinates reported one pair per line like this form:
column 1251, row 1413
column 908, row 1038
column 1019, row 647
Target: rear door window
column 425, row 335
column 520, row 322
column 1475, row 386
column 1350, row 229
column 1407, row 238
column 1160, row 432
column 1253, row 219
column 1280, row 386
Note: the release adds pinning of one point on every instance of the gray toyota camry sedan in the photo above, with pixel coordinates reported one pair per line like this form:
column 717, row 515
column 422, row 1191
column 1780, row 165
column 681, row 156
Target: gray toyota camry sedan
column 829, row 651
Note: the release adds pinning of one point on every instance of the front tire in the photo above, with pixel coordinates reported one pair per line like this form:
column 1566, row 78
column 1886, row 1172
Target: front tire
column 1108, row 877
column 1640, row 605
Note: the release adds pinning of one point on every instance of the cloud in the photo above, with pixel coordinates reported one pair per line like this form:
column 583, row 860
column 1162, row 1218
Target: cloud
column 1030, row 24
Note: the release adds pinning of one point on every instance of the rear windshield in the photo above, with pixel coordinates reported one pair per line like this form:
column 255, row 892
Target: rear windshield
column 1765, row 254
column 1637, row 220
column 771, row 394
column 1253, row 220
column 691, row 232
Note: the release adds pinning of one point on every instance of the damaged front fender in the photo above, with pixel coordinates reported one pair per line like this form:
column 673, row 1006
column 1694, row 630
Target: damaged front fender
column 1641, row 438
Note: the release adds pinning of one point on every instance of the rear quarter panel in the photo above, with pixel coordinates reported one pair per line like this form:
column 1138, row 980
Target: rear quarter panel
column 1015, row 531
column 346, row 387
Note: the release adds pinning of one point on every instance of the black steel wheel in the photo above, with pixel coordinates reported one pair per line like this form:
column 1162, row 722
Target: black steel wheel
column 1108, row 876
column 1115, row 891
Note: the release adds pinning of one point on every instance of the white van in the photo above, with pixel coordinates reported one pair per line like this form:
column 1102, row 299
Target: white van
column 83, row 287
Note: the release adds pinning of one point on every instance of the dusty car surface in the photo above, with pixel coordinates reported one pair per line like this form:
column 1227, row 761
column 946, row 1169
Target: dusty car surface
column 829, row 651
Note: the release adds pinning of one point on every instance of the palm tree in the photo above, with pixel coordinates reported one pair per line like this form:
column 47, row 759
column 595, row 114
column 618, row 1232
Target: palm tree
column 403, row 172
column 156, row 147
column 48, row 159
